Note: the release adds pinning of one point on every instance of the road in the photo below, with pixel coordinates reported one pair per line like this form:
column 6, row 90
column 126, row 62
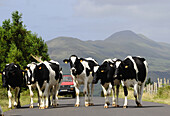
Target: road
column 66, row 108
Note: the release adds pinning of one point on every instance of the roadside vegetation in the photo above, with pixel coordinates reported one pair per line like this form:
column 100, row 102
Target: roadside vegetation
column 162, row 96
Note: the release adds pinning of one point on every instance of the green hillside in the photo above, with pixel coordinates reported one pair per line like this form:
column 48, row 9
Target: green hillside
column 118, row 45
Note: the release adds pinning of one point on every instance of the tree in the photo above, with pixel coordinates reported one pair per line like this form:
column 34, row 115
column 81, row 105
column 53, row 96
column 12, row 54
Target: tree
column 148, row 81
column 17, row 43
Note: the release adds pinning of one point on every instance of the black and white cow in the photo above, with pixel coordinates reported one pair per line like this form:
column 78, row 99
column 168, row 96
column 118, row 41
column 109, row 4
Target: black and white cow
column 30, row 81
column 133, row 72
column 12, row 78
column 105, row 73
column 81, row 70
column 48, row 76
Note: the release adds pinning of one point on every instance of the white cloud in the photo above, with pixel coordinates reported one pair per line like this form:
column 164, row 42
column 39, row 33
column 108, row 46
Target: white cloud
column 149, row 9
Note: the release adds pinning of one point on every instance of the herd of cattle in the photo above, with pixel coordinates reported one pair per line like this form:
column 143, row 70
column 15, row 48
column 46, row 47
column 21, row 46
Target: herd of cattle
column 46, row 76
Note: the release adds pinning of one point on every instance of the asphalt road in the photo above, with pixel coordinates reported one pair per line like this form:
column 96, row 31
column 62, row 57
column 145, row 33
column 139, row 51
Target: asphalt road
column 66, row 108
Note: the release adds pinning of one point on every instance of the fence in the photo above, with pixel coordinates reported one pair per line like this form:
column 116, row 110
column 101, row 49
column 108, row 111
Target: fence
column 153, row 88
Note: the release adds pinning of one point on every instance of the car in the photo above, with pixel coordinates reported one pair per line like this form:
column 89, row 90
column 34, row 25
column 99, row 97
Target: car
column 67, row 86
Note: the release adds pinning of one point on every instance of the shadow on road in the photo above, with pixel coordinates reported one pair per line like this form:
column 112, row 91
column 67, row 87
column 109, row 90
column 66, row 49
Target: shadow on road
column 139, row 107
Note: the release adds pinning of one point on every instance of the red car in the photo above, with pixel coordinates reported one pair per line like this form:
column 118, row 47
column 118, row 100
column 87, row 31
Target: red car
column 67, row 86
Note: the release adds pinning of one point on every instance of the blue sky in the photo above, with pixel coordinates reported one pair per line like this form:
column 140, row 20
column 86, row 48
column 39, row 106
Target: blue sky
column 92, row 19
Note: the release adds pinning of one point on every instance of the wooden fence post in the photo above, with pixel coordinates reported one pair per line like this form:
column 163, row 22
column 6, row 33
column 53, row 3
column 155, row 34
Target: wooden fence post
column 155, row 87
column 164, row 81
column 152, row 89
column 167, row 81
column 160, row 82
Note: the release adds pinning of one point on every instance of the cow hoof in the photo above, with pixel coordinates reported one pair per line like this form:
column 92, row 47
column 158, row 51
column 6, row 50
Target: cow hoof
column 77, row 105
column 46, row 106
column 42, row 107
column 125, row 106
column 18, row 106
column 10, row 107
column 114, row 105
column 55, row 105
column 108, row 103
column 91, row 104
column 139, row 105
column 105, row 106
column 31, row 106
column 86, row 105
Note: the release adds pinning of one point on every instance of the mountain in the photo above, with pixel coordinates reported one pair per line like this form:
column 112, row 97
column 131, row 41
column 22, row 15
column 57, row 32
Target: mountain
column 117, row 45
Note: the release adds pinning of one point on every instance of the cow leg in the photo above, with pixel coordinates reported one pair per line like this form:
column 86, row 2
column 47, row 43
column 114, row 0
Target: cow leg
column 58, row 87
column 88, row 93
column 55, row 95
column 91, row 99
column 135, row 93
column 140, row 94
column 38, row 99
column 57, row 103
column 10, row 97
column 17, row 98
column 31, row 96
column 107, row 103
column 77, row 95
column 85, row 93
column 117, row 96
column 126, row 94
column 41, row 102
column 46, row 95
column 19, row 103
column 113, row 98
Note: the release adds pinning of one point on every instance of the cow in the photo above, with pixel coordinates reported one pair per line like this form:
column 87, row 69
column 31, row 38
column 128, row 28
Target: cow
column 81, row 70
column 30, row 81
column 13, row 79
column 48, row 75
column 105, row 73
column 133, row 73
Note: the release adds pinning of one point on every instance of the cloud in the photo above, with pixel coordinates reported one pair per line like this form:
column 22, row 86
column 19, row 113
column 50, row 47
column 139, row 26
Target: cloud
column 150, row 17
column 149, row 9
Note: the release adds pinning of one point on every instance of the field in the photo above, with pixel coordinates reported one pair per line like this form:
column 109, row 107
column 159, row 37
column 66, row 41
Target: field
column 163, row 96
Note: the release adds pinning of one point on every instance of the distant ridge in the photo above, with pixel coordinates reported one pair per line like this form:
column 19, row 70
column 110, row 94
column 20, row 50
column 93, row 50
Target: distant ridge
column 119, row 45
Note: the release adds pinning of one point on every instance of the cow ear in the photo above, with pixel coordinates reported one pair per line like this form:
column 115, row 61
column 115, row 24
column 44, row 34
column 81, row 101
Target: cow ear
column 126, row 66
column 102, row 71
column 25, row 67
column 66, row 61
column 81, row 59
column 111, row 65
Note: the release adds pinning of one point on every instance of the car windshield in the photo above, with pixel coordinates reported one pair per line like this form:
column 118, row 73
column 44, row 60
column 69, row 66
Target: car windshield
column 67, row 79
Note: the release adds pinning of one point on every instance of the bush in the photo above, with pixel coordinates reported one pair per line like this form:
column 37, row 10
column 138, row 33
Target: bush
column 3, row 91
column 164, row 92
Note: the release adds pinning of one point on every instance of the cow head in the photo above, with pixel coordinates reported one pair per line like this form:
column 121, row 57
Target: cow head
column 104, row 72
column 96, row 74
column 29, row 70
column 41, row 73
column 75, row 64
column 10, row 71
column 124, row 69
